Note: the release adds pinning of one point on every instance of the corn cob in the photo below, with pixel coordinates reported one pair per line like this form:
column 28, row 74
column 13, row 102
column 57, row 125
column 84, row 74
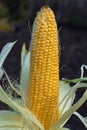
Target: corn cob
column 43, row 90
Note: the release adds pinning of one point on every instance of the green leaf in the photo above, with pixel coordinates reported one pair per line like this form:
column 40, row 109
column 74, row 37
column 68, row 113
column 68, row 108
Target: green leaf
column 63, row 119
column 83, row 119
column 23, row 55
column 1, row 72
column 11, row 120
column 65, row 96
column 75, row 80
column 62, row 129
column 24, row 78
column 82, row 85
column 32, row 121
column 5, row 51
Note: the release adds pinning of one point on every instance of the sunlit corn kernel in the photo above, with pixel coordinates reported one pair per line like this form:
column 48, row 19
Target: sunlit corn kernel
column 45, row 59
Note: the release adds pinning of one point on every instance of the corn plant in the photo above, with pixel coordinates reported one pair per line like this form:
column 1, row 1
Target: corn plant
column 44, row 102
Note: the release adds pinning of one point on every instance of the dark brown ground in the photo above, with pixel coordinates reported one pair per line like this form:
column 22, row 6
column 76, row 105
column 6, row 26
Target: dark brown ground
column 73, row 53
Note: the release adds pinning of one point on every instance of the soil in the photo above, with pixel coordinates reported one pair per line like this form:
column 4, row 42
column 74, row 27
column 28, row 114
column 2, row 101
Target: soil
column 73, row 53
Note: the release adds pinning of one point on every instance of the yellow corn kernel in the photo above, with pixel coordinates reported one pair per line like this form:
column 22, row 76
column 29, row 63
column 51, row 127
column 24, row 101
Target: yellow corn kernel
column 43, row 91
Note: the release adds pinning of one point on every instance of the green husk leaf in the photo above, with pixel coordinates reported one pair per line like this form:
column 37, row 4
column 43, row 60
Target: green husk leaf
column 78, row 79
column 63, row 119
column 23, row 55
column 82, row 85
column 32, row 121
column 1, row 72
column 67, row 102
column 75, row 80
column 25, row 74
column 62, row 129
column 83, row 119
column 11, row 120
column 5, row 51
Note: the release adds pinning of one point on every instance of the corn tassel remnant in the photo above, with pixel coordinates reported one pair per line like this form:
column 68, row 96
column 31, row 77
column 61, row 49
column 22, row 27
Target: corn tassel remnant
column 43, row 91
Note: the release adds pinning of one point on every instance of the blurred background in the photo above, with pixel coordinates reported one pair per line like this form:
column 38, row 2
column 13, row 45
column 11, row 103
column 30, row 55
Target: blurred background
column 16, row 20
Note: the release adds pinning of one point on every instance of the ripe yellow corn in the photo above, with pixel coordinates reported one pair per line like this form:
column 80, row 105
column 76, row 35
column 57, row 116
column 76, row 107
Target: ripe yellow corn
column 43, row 93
